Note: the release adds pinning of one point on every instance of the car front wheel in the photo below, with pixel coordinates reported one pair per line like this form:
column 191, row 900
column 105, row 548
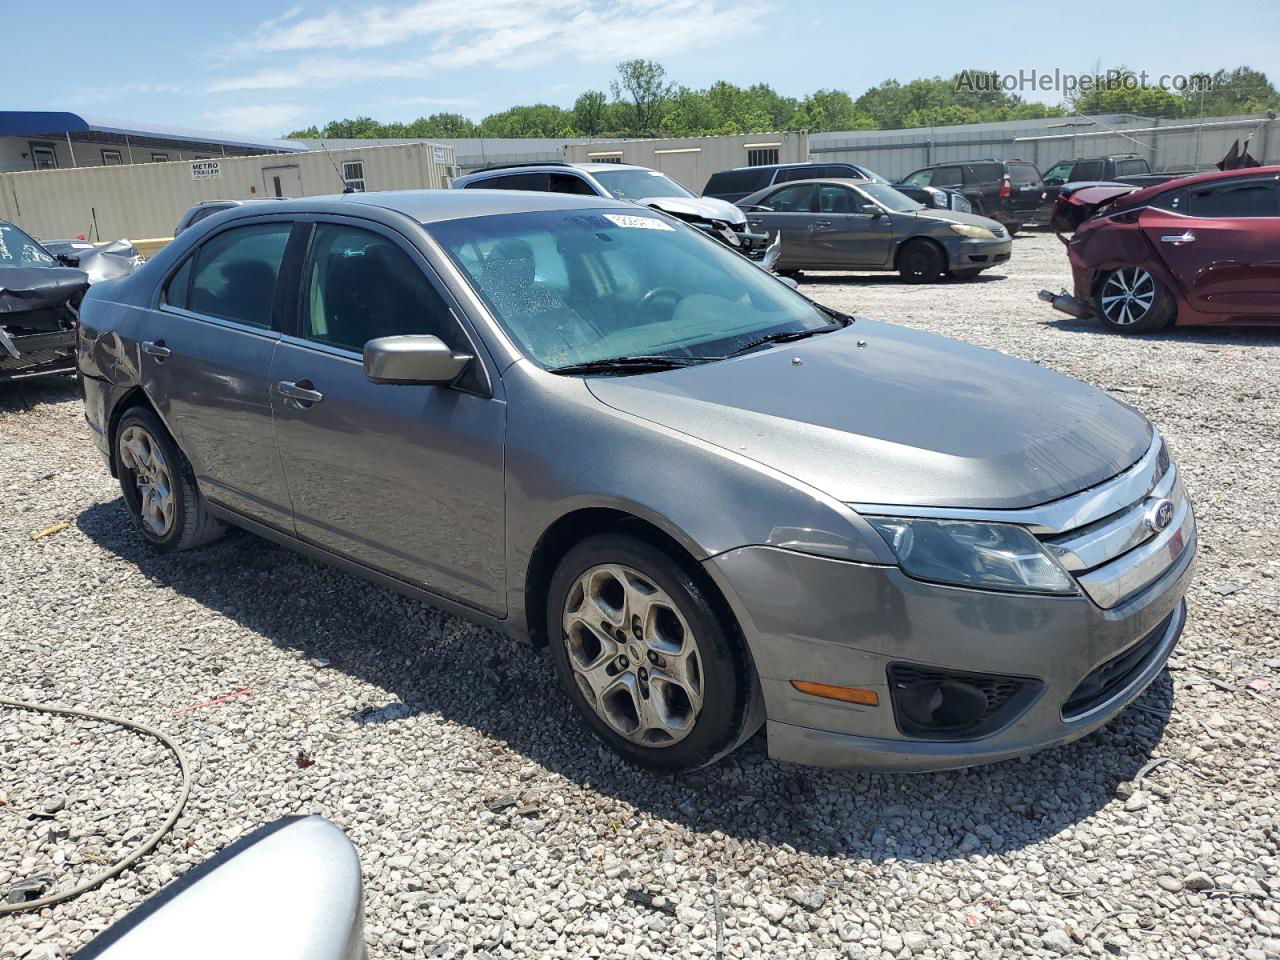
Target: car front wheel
column 652, row 665
column 1131, row 300
column 158, row 486
column 921, row 262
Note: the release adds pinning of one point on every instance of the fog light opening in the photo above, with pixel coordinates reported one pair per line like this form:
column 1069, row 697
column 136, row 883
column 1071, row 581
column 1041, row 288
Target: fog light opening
column 941, row 705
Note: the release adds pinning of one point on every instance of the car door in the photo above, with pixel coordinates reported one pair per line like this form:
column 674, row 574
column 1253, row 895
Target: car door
column 406, row 479
column 789, row 210
column 1224, row 251
column 205, row 358
column 843, row 235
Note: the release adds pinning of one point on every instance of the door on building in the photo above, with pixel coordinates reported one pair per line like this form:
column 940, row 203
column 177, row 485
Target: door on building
column 283, row 181
column 681, row 166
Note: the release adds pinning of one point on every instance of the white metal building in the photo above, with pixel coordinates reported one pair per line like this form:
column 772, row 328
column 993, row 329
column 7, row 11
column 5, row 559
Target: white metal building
column 692, row 160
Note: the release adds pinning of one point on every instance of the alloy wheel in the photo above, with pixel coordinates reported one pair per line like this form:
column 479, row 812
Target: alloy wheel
column 633, row 655
column 1127, row 295
column 143, row 458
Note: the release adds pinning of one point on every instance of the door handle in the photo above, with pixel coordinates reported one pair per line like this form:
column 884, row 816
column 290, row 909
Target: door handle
column 155, row 348
column 822, row 223
column 301, row 391
column 1179, row 238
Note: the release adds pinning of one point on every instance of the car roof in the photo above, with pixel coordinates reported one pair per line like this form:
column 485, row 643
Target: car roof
column 847, row 181
column 1197, row 178
column 430, row 206
column 552, row 166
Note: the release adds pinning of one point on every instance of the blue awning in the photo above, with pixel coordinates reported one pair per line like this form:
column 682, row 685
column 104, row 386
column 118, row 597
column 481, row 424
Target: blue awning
column 50, row 123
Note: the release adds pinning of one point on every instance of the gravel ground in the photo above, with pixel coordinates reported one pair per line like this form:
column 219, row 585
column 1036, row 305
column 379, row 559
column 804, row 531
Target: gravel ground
column 490, row 827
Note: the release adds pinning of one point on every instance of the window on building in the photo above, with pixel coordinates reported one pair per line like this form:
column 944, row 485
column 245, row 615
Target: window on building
column 605, row 158
column 111, row 158
column 362, row 286
column 353, row 174
column 159, row 158
column 43, row 157
column 759, row 156
column 235, row 273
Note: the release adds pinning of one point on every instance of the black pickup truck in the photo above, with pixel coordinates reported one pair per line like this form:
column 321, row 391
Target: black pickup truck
column 1118, row 168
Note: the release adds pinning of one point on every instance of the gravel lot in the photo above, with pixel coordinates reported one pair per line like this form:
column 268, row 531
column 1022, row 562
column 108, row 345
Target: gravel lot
column 489, row 826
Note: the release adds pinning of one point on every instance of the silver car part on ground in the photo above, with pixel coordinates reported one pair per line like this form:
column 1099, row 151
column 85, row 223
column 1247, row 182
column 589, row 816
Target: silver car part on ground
column 291, row 890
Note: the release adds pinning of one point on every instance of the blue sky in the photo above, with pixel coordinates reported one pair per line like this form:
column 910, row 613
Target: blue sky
column 268, row 66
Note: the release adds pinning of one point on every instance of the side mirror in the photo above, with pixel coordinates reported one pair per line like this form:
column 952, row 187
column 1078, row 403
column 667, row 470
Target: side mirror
column 67, row 260
column 871, row 210
column 412, row 359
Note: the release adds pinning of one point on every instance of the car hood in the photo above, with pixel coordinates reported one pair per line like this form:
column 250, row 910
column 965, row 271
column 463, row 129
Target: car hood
column 955, row 216
column 706, row 208
column 31, row 288
column 881, row 414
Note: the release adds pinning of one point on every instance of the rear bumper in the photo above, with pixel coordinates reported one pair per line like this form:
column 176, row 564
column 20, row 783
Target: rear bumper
column 846, row 624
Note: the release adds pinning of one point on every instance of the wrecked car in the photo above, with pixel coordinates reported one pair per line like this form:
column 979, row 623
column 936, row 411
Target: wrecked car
column 39, row 297
column 625, row 181
column 1192, row 251
column 719, row 505
column 101, row 261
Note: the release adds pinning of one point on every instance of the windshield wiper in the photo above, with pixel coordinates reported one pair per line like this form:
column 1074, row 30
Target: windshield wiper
column 636, row 364
column 787, row 336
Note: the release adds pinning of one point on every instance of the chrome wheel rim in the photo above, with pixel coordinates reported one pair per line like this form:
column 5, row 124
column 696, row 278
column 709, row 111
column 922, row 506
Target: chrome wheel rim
column 1127, row 295
column 633, row 655
column 142, row 457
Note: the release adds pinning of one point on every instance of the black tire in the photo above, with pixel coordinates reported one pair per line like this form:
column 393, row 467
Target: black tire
column 189, row 523
column 921, row 261
column 1013, row 228
column 731, row 707
column 1151, row 306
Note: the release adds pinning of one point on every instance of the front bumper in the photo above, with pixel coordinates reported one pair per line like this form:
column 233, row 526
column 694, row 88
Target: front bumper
column 36, row 354
column 966, row 254
column 841, row 623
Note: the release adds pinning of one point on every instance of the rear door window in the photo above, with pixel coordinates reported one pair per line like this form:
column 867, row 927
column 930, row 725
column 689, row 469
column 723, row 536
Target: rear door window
column 979, row 173
column 235, row 273
column 1129, row 168
column 1087, row 170
column 738, row 181
column 1236, row 199
column 793, row 199
column 946, row 177
column 807, row 172
column 1023, row 175
column 512, row 181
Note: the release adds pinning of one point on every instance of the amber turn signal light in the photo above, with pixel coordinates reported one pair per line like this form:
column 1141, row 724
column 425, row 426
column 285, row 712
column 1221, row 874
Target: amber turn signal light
column 868, row 698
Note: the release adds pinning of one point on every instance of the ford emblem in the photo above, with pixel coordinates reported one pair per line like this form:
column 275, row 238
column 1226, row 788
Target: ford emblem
column 1159, row 514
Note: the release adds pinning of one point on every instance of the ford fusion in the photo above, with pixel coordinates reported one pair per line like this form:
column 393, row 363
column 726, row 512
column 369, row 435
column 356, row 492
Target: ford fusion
column 717, row 503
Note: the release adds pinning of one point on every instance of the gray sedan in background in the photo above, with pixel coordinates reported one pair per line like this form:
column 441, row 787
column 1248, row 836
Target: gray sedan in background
column 717, row 503
column 848, row 224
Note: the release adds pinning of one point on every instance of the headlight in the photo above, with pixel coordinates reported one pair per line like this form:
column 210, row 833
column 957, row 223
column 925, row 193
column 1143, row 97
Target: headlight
column 990, row 556
column 972, row 231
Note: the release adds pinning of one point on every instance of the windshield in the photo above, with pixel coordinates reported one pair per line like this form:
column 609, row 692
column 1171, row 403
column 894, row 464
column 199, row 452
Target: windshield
column 890, row 198
column 19, row 250
column 576, row 286
column 638, row 184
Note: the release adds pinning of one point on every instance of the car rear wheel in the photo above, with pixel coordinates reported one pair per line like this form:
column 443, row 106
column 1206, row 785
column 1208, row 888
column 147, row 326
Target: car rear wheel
column 1131, row 300
column 652, row 666
column 921, row 262
column 158, row 485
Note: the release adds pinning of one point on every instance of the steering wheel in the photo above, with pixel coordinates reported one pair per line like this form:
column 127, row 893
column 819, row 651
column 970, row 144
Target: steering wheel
column 656, row 292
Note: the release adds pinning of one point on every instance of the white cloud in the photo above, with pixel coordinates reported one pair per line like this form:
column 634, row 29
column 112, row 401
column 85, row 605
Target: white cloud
column 263, row 118
column 509, row 34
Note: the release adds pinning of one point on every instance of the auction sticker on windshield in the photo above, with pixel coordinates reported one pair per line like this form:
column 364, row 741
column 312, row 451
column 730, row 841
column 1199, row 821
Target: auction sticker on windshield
column 637, row 223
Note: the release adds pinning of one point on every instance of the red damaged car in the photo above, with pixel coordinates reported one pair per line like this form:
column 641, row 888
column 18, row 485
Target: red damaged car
column 1203, row 249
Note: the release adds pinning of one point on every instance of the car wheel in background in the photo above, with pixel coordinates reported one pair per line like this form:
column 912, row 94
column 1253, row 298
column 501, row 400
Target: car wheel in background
column 921, row 261
column 1013, row 228
column 1131, row 300
column 653, row 666
column 158, row 486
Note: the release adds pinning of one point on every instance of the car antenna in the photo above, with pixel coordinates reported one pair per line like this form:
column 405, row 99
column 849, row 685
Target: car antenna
column 346, row 187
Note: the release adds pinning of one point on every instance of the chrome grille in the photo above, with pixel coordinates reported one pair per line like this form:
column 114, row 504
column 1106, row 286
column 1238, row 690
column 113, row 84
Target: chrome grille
column 1121, row 551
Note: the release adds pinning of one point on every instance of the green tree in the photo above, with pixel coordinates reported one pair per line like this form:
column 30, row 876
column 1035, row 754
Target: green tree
column 591, row 113
column 643, row 86
column 1226, row 92
column 1122, row 91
